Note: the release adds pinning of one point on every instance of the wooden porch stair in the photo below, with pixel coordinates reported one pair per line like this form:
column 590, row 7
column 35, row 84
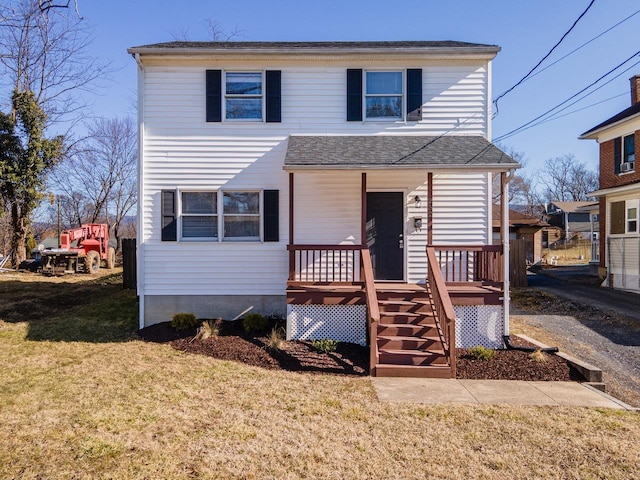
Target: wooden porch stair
column 409, row 339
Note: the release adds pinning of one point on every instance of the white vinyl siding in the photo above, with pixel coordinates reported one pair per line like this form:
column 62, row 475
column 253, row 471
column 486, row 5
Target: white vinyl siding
column 181, row 150
column 623, row 250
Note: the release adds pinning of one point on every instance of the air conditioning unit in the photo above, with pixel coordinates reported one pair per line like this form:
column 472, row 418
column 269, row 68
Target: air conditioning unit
column 627, row 166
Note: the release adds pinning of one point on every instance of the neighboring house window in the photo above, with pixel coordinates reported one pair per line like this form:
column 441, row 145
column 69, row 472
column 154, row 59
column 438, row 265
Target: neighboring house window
column 383, row 96
column 632, row 219
column 199, row 215
column 243, row 96
column 629, row 154
column 241, row 216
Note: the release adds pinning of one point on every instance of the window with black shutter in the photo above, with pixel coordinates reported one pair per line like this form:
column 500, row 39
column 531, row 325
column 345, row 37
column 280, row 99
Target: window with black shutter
column 214, row 95
column 414, row 94
column 274, row 96
column 169, row 231
column 271, row 216
column 354, row 95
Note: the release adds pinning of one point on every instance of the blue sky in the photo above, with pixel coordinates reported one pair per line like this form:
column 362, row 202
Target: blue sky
column 524, row 30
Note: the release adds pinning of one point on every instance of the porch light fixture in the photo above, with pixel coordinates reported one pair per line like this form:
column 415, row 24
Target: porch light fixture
column 418, row 201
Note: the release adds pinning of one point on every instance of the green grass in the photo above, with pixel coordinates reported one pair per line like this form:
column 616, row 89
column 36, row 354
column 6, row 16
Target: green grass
column 81, row 397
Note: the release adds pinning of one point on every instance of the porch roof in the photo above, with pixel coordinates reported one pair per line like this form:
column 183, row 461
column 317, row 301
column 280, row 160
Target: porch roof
column 394, row 151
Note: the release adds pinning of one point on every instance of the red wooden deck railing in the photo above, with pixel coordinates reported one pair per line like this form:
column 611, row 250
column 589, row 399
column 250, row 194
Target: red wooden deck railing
column 470, row 263
column 324, row 263
column 373, row 308
column 445, row 315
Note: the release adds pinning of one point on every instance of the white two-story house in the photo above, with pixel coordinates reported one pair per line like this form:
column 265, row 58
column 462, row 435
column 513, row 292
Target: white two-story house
column 346, row 185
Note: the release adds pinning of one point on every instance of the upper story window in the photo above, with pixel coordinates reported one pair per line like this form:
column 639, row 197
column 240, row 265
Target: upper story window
column 243, row 95
column 248, row 96
column 383, row 96
column 629, row 149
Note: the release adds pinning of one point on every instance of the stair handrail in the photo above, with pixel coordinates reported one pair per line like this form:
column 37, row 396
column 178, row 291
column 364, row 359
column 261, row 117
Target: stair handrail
column 445, row 314
column 373, row 309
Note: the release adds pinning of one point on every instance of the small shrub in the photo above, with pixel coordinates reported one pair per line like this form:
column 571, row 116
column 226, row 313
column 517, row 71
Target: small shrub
column 481, row 353
column 275, row 340
column 254, row 322
column 539, row 356
column 325, row 346
column 184, row 321
column 209, row 328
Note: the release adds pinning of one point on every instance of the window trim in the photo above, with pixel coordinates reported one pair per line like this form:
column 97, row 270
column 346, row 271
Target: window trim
column 403, row 96
column 220, row 216
column 262, row 97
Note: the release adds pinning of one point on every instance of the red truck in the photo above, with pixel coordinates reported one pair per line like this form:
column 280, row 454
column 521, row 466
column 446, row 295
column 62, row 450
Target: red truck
column 81, row 249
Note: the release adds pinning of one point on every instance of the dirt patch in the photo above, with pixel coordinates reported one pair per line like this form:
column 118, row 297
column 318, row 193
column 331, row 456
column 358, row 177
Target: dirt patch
column 348, row 359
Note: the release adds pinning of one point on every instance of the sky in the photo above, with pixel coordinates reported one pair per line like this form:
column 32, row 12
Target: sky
column 525, row 30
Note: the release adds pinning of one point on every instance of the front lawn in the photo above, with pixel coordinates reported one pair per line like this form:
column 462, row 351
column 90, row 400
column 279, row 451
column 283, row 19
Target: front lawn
column 82, row 397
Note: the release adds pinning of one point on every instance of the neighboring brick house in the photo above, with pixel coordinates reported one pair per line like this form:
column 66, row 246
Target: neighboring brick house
column 619, row 194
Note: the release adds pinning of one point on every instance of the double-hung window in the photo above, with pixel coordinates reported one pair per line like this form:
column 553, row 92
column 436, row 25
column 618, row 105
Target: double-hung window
column 629, row 154
column 243, row 95
column 241, row 216
column 383, row 95
column 200, row 215
column 632, row 216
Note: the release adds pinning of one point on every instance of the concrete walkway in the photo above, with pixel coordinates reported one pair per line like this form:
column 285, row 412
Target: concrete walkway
column 492, row 392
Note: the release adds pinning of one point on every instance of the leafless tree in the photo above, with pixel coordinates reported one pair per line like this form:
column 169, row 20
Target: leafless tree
column 43, row 50
column 98, row 182
column 215, row 32
column 566, row 179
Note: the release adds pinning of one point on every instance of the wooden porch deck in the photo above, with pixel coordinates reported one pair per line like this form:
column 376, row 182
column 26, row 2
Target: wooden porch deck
column 410, row 327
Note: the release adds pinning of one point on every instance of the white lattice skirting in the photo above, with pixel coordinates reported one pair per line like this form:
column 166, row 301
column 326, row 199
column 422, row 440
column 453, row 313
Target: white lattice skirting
column 344, row 323
column 479, row 325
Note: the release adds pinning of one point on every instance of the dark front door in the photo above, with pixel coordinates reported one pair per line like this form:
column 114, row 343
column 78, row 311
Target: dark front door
column 385, row 237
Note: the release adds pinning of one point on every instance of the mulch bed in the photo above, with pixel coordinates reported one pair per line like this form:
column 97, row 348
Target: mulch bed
column 234, row 344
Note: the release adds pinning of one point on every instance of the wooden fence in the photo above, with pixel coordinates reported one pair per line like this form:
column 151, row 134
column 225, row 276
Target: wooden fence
column 518, row 263
column 129, row 279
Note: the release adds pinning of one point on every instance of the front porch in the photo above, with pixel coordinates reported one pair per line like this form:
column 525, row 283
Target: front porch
column 412, row 328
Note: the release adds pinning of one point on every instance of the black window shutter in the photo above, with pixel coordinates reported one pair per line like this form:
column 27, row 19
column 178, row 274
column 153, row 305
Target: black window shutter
column 414, row 94
column 274, row 96
column 354, row 95
column 617, row 154
column 271, row 216
column 169, row 223
column 214, row 95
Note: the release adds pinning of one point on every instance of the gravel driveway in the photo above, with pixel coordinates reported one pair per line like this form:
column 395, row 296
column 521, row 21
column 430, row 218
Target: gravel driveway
column 598, row 325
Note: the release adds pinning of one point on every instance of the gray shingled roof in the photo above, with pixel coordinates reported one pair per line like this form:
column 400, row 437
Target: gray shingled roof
column 394, row 151
column 623, row 115
column 422, row 46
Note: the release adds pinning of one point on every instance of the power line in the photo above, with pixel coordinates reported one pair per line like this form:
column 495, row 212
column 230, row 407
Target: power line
column 585, row 44
column 495, row 102
column 518, row 129
column 556, row 117
column 522, row 128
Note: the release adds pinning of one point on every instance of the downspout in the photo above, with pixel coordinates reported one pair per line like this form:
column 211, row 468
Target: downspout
column 140, row 211
column 505, row 248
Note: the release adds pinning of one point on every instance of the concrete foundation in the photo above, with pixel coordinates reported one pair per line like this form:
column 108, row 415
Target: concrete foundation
column 160, row 308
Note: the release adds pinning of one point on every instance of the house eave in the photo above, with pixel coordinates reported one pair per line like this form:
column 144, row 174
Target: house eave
column 433, row 168
column 594, row 134
column 613, row 190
